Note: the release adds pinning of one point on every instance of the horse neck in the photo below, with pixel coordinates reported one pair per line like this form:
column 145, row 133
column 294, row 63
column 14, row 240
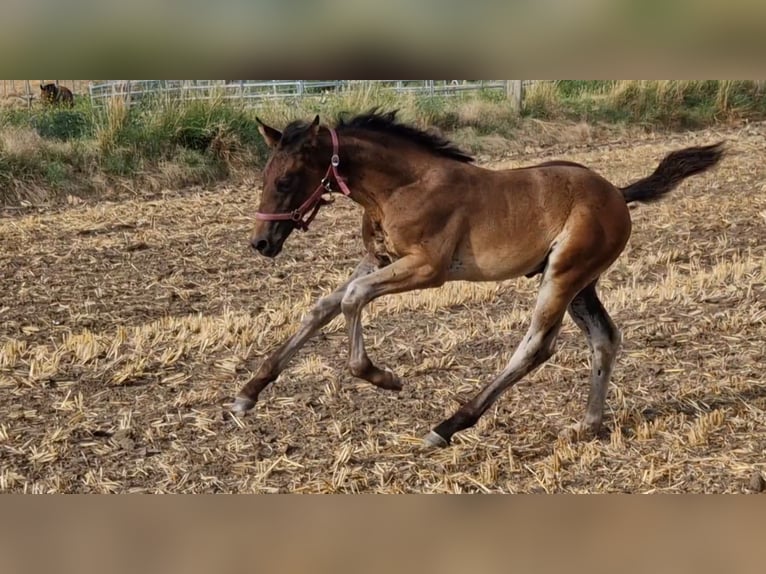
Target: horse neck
column 374, row 166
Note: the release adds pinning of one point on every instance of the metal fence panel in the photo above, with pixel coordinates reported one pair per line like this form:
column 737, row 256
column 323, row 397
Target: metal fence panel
column 253, row 91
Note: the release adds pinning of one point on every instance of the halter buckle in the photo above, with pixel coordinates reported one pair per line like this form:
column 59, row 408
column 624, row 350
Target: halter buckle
column 335, row 160
column 296, row 216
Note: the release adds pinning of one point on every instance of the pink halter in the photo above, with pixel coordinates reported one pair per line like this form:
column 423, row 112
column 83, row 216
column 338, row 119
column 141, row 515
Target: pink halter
column 315, row 201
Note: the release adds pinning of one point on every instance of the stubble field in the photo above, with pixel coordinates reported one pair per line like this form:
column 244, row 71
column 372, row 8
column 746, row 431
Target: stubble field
column 125, row 327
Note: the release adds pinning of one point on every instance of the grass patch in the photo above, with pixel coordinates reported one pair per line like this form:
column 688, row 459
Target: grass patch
column 33, row 167
column 667, row 104
column 63, row 125
column 166, row 142
column 52, row 152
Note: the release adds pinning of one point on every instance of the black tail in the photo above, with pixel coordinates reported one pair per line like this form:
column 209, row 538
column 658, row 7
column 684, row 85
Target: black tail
column 675, row 168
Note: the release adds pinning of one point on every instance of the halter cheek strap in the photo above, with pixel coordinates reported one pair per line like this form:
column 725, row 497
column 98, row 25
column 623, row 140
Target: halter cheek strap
column 315, row 201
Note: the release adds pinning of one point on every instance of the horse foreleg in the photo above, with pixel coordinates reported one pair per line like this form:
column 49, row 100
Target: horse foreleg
column 406, row 274
column 324, row 311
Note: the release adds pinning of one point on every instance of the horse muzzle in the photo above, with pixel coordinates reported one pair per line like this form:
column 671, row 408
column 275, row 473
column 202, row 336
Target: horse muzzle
column 266, row 247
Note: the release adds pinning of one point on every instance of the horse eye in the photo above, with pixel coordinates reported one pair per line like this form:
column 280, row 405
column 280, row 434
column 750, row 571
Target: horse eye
column 285, row 184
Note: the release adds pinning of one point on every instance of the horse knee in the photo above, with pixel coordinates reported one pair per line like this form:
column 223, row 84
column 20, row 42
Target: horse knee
column 325, row 307
column 608, row 343
column 535, row 350
column 352, row 299
column 543, row 346
column 312, row 317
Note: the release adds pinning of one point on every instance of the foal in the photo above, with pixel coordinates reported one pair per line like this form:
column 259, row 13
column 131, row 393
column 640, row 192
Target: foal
column 431, row 216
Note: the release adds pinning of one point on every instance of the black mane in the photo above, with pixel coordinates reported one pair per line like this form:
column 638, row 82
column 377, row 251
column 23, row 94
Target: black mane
column 294, row 133
column 386, row 123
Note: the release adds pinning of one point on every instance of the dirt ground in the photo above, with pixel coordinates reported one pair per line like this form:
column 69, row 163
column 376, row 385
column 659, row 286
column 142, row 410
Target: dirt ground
column 126, row 325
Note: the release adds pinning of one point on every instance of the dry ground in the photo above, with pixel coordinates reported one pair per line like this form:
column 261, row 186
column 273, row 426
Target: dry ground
column 125, row 326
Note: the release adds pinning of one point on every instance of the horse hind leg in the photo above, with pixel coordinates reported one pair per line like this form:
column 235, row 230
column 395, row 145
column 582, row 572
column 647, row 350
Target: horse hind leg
column 535, row 349
column 604, row 341
column 576, row 261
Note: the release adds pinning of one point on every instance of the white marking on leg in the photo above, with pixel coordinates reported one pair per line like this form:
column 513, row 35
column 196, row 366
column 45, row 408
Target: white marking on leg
column 241, row 405
column 433, row 440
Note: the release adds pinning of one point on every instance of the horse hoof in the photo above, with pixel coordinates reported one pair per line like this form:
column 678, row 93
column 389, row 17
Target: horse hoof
column 394, row 383
column 384, row 379
column 579, row 432
column 434, row 440
column 241, row 405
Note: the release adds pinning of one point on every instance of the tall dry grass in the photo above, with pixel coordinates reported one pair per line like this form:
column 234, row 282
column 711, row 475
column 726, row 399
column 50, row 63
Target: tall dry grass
column 167, row 141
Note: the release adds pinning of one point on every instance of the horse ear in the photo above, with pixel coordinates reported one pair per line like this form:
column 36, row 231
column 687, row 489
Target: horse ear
column 314, row 130
column 269, row 134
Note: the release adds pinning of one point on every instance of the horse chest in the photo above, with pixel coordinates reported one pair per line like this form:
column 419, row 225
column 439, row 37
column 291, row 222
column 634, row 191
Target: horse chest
column 382, row 247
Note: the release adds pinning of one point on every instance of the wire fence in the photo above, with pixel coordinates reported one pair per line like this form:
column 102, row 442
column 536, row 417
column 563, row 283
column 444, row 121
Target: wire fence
column 253, row 91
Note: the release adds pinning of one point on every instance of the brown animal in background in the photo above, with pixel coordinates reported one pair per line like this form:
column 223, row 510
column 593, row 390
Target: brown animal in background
column 56, row 95
column 431, row 216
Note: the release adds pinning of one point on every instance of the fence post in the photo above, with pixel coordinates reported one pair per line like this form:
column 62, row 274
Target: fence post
column 129, row 96
column 515, row 91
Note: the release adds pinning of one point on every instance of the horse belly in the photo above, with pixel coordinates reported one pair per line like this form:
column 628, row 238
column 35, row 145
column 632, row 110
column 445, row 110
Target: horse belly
column 495, row 264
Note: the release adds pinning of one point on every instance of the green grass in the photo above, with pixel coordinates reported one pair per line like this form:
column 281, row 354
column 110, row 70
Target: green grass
column 163, row 145
column 668, row 104
column 166, row 142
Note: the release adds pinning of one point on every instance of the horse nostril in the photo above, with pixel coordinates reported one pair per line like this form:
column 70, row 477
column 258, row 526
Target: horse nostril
column 259, row 245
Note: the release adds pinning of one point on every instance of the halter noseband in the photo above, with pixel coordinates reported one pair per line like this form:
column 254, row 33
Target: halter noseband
column 315, row 201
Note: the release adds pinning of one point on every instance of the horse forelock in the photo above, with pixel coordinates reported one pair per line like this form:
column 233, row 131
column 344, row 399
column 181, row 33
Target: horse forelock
column 294, row 134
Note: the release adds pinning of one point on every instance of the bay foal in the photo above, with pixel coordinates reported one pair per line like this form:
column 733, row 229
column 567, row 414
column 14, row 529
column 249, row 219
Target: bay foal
column 432, row 216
